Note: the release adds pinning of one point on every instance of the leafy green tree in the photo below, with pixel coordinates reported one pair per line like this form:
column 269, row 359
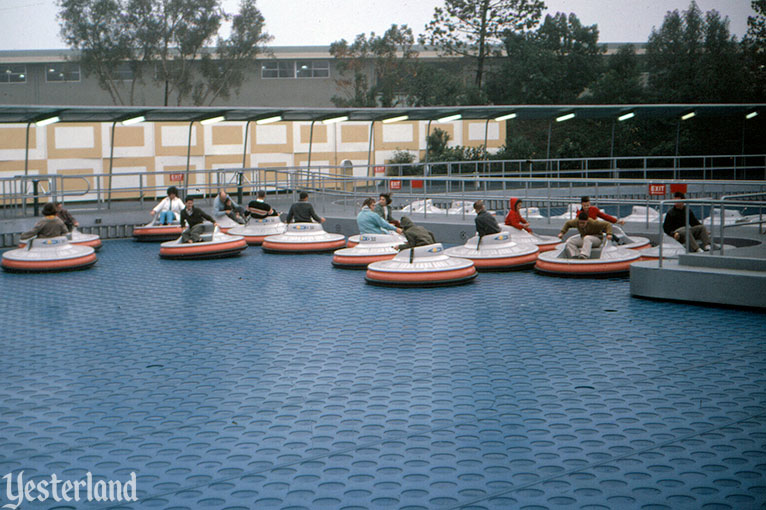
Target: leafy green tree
column 693, row 58
column 224, row 71
column 554, row 64
column 375, row 70
column 94, row 27
column 442, row 84
column 621, row 81
column 754, row 48
column 474, row 28
column 165, row 39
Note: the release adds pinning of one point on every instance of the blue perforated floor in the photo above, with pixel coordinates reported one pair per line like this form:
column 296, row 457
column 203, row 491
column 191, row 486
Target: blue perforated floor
column 272, row 381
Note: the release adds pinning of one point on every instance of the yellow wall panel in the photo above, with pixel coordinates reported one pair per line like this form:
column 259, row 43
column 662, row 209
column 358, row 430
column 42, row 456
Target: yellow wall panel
column 15, row 137
column 354, row 134
column 227, row 135
column 320, row 133
column 12, row 168
column 129, row 136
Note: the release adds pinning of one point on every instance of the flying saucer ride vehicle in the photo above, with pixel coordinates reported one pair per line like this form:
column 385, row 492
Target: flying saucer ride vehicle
column 303, row 238
column 214, row 244
column 370, row 248
column 78, row 238
column 496, row 252
column 48, row 255
column 255, row 230
column 545, row 243
column 156, row 232
column 606, row 260
column 422, row 266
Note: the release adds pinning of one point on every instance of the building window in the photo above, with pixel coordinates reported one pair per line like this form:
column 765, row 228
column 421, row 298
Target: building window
column 278, row 69
column 312, row 68
column 124, row 72
column 295, row 69
column 13, row 73
column 62, row 71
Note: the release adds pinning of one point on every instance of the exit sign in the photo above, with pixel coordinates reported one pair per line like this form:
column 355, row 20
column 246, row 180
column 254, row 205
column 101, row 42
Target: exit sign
column 657, row 189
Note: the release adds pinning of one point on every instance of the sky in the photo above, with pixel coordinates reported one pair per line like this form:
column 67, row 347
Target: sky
column 32, row 24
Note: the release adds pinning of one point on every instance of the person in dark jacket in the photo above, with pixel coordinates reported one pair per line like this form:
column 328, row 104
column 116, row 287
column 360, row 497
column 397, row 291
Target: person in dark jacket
column 383, row 208
column 486, row 224
column 65, row 216
column 302, row 211
column 675, row 226
column 258, row 208
column 416, row 235
column 194, row 217
column 50, row 226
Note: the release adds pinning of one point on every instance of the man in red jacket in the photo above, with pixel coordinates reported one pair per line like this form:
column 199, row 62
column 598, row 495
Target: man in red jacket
column 594, row 212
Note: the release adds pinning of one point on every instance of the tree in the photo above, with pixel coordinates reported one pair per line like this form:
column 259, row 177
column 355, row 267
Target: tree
column 94, row 28
column 442, row 84
column 225, row 70
column 474, row 28
column 554, row 64
column 375, row 70
column 621, row 81
column 754, row 48
column 168, row 38
column 693, row 58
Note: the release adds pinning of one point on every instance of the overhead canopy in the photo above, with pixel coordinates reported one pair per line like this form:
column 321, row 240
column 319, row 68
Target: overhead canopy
column 26, row 114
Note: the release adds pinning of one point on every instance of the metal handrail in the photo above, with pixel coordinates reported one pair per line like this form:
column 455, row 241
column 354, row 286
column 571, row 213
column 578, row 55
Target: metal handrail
column 712, row 202
column 290, row 179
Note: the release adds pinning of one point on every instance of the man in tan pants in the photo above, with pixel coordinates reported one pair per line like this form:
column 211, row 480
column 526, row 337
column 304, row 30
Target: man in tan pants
column 589, row 238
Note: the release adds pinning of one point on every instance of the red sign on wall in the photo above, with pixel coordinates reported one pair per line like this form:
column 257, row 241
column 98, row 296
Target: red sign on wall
column 380, row 170
column 657, row 189
column 176, row 177
column 678, row 187
column 395, row 184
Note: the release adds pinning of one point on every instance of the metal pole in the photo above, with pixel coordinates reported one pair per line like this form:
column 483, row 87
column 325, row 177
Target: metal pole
column 678, row 139
column 611, row 150
column 711, row 223
column 369, row 148
column 428, row 133
column 311, row 142
column 244, row 148
column 659, row 223
column 26, row 152
column 111, row 166
column 239, row 186
column 188, row 159
column 35, row 201
column 548, row 151
column 686, row 226
column 486, row 134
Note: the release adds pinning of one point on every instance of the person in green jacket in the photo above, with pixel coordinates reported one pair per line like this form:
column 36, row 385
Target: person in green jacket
column 416, row 235
column 590, row 235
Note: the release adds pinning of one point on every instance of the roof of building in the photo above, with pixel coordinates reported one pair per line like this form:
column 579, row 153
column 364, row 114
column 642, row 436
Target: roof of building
column 34, row 113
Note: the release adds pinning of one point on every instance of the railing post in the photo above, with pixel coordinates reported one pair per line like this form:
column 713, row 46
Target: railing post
column 35, row 201
column 239, row 187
